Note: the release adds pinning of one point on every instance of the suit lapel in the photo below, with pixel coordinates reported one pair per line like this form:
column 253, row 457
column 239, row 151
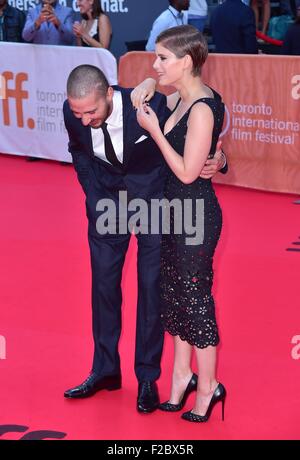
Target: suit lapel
column 131, row 129
column 88, row 140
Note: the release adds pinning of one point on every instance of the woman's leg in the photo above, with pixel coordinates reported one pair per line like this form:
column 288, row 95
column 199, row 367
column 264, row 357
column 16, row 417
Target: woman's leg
column 266, row 12
column 266, row 15
column 254, row 6
column 182, row 372
column 207, row 383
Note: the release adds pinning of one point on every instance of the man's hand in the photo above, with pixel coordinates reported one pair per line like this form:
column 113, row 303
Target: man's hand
column 143, row 92
column 43, row 17
column 54, row 19
column 213, row 165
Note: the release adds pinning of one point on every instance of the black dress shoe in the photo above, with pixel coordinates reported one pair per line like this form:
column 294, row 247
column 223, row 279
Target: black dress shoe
column 148, row 399
column 93, row 384
column 169, row 407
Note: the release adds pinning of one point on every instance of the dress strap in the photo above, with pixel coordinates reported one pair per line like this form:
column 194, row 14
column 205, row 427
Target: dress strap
column 201, row 99
column 177, row 104
column 216, row 97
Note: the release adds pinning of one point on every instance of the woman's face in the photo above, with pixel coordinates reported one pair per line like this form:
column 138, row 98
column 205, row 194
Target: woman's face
column 168, row 67
column 85, row 5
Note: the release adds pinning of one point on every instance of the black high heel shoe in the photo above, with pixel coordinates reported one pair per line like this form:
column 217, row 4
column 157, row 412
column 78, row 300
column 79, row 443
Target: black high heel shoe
column 169, row 407
column 219, row 395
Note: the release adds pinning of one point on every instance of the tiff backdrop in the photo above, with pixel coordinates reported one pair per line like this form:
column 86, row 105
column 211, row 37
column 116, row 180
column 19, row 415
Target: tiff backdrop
column 131, row 19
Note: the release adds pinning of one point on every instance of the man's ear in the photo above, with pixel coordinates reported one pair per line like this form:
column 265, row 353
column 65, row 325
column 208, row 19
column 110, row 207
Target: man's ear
column 110, row 93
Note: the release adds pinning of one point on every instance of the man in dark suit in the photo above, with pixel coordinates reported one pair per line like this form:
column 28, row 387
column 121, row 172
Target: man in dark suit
column 12, row 22
column 233, row 28
column 113, row 157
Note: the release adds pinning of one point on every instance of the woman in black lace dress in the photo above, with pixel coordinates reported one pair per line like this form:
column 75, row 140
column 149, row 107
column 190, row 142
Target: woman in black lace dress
column 189, row 137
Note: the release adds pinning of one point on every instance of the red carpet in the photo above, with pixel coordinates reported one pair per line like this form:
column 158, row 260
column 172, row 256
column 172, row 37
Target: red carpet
column 46, row 317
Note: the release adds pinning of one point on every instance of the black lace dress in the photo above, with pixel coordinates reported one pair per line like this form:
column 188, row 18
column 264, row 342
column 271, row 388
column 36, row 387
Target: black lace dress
column 188, row 308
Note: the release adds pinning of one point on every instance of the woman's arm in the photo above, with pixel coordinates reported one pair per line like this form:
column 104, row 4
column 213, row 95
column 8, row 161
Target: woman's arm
column 104, row 31
column 91, row 41
column 145, row 91
column 197, row 142
column 78, row 41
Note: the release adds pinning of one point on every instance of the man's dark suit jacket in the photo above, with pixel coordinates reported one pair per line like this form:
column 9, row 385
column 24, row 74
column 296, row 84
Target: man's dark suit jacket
column 143, row 169
column 233, row 28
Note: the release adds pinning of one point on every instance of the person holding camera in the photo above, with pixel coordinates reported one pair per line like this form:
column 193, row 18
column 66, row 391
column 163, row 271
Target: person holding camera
column 49, row 23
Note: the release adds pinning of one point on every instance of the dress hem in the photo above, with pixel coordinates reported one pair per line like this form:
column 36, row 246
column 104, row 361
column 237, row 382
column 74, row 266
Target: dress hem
column 214, row 344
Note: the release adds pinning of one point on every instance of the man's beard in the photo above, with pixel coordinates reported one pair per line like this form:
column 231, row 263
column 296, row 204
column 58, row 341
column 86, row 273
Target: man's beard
column 102, row 119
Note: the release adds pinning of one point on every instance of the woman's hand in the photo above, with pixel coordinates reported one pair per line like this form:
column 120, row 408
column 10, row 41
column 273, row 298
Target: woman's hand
column 143, row 92
column 147, row 119
column 78, row 29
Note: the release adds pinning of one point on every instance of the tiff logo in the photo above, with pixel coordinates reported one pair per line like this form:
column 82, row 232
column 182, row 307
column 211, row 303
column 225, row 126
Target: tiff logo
column 17, row 93
column 2, row 87
column 2, row 347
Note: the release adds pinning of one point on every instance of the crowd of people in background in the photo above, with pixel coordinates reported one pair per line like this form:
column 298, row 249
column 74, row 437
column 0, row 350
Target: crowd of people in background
column 233, row 24
column 51, row 23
